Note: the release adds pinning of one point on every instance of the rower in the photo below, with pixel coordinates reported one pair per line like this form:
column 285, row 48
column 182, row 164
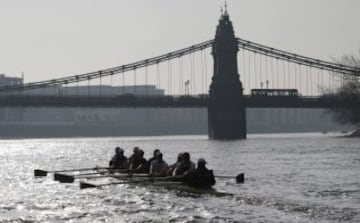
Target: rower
column 118, row 161
column 138, row 164
column 134, row 155
column 185, row 167
column 173, row 166
column 155, row 153
column 158, row 166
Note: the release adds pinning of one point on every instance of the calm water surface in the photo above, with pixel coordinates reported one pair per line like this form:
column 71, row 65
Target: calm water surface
column 289, row 178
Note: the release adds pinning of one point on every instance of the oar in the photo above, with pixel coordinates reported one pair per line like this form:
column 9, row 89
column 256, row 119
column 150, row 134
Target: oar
column 64, row 178
column 84, row 185
column 240, row 178
column 43, row 173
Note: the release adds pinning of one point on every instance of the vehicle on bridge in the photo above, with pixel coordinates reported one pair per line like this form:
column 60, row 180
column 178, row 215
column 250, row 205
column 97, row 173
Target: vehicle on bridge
column 274, row 93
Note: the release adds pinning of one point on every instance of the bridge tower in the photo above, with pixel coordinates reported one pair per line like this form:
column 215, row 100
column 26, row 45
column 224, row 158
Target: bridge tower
column 226, row 109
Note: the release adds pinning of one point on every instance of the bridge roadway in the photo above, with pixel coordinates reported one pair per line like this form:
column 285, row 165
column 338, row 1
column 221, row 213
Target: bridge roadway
column 166, row 101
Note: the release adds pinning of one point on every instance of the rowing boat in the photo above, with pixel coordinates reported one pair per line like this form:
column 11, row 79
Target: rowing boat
column 180, row 187
column 183, row 189
column 179, row 183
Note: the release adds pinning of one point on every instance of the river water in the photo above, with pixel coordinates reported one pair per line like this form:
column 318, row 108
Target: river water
column 288, row 178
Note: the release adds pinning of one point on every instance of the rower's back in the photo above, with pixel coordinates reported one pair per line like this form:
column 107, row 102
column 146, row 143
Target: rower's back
column 185, row 167
column 202, row 177
column 119, row 160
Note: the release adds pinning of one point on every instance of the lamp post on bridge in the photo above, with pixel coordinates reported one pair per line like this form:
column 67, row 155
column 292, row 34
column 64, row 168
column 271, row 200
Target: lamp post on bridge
column 187, row 89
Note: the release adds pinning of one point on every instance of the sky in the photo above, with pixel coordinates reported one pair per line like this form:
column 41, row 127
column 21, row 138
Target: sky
column 48, row 39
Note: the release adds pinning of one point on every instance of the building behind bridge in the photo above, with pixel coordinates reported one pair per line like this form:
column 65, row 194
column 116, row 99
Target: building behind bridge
column 82, row 90
column 10, row 81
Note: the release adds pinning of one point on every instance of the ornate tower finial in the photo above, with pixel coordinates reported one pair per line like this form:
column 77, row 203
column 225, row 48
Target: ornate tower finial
column 221, row 10
column 225, row 7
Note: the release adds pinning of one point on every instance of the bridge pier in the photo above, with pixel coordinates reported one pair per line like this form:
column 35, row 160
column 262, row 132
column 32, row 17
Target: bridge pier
column 226, row 108
column 226, row 120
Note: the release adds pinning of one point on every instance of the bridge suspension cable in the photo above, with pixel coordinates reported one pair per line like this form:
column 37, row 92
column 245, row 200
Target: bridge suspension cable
column 295, row 58
column 110, row 71
column 255, row 48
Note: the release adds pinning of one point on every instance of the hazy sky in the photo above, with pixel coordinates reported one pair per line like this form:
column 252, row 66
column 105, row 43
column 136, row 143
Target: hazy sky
column 47, row 39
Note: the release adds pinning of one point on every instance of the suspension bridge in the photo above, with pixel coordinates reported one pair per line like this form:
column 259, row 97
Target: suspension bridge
column 268, row 77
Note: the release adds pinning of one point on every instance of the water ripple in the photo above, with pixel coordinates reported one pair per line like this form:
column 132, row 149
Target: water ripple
column 297, row 179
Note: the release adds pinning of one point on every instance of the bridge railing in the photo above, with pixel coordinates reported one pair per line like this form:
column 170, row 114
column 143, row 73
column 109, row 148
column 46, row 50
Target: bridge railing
column 169, row 101
column 104, row 101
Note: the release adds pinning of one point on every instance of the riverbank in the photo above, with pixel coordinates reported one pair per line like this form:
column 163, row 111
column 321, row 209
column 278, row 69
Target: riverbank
column 355, row 133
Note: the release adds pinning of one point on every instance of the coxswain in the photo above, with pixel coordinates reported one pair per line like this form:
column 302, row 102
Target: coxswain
column 158, row 167
column 139, row 163
column 118, row 161
column 185, row 167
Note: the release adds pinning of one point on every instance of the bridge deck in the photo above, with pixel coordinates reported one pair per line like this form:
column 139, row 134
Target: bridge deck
column 166, row 101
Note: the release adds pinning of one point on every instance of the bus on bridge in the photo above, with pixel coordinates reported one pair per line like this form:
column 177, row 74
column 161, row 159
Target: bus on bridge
column 274, row 93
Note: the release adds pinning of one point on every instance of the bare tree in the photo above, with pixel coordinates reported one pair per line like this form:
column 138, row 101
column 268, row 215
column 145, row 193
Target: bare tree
column 351, row 60
column 349, row 93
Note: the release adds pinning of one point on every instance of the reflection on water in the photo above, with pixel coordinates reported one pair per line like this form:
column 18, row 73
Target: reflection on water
column 289, row 178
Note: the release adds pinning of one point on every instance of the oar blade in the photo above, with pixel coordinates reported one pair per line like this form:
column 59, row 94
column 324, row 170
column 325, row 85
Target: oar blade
column 84, row 185
column 240, row 178
column 40, row 173
column 63, row 178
